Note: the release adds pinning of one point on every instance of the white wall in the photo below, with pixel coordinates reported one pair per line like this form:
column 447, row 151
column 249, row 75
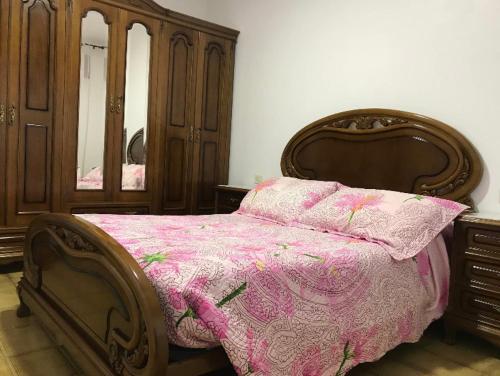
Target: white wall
column 195, row 8
column 301, row 60
column 137, row 81
column 92, row 106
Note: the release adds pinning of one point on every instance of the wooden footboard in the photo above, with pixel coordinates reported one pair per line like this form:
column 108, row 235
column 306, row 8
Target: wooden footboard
column 94, row 297
column 96, row 301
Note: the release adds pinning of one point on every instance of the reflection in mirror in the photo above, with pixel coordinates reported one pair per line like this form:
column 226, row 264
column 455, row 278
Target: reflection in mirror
column 136, row 109
column 92, row 106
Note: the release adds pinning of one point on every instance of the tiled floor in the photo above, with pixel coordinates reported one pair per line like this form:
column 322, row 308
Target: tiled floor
column 25, row 350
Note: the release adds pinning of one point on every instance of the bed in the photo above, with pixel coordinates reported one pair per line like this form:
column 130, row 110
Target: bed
column 91, row 285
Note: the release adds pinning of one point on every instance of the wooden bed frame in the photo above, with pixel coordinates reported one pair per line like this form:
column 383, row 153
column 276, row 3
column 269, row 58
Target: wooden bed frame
column 136, row 149
column 96, row 300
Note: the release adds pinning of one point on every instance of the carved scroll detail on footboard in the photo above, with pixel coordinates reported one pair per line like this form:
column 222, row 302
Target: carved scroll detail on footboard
column 99, row 290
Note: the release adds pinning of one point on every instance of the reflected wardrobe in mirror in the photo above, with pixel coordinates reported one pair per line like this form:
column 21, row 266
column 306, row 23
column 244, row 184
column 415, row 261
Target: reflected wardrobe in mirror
column 136, row 108
column 92, row 102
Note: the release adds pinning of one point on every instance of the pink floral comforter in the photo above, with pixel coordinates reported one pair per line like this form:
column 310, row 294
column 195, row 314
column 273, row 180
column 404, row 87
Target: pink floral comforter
column 282, row 300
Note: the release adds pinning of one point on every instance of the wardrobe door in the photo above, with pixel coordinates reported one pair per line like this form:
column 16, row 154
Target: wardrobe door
column 178, row 116
column 4, row 31
column 90, row 103
column 135, row 108
column 34, row 57
column 212, row 130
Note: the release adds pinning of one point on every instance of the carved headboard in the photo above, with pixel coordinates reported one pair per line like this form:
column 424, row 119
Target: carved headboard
column 386, row 149
column 136, row 150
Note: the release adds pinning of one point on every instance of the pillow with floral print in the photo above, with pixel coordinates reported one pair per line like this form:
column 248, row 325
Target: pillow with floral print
column 284, row 199
column 403, row 223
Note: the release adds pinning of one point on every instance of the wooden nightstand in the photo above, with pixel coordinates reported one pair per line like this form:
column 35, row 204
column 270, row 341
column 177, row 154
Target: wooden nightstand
column 228, row 198
column 474, row 304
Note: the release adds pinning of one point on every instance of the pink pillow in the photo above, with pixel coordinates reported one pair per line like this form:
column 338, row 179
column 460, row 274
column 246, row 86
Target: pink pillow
column 284, row 199
column 403, row 223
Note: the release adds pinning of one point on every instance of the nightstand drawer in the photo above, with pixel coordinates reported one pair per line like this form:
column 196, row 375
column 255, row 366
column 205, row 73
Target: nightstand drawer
column 231, row 200
column 481, row 305
column 483, row 241
column 228, row 198
column 474, row 303
column 488, row 273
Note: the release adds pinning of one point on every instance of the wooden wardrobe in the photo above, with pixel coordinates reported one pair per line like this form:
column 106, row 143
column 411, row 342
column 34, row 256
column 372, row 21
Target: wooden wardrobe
column 162, row 75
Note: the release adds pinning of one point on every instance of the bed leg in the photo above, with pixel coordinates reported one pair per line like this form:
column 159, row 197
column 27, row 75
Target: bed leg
column 23, row 310
column 450, row 333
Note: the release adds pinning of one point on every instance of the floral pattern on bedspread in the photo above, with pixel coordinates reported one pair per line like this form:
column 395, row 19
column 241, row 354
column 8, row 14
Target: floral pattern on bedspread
column 281, row 300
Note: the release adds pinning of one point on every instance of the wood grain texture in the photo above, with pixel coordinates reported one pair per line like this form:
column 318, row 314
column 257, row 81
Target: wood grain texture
column 36, row 106
column 475, row 279
column 34, row 57
column 175, row 194
column 199, row 113
column 38, row 58
column 386, row 149
column 213, row 122
column 106, row 313
column 61, row 247
column 179, row 63
column 36, row 163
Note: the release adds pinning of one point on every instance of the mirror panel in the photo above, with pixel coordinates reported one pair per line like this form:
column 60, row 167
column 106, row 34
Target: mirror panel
column 136, row 108
column 92, row 102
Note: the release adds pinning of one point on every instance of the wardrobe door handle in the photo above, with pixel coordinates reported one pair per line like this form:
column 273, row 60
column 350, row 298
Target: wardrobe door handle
column 111, row 104
column 234, row 200
column 12, row 115
column 191, row 134
column 118, row 107
column 2, row 114
column 197, row 136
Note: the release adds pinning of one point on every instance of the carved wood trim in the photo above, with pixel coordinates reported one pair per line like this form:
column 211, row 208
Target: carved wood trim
column 86, row 11
column 210, row 49
column 73, row 240
column 52, row 3
column 179, row 35
column 463, row 169
column 134, row 21
column 145, row 5
column 176, row 38
column 143, row 351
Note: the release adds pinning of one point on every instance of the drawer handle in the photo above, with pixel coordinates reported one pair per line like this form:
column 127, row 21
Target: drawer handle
column 495, row 307
column 118, row 105
column 12, row 115
column 486, row 239
column 487, row 270
column 2, row 114
column 233, row 200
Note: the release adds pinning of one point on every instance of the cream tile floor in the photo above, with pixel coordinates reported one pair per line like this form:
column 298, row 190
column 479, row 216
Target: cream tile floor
column 25, row 349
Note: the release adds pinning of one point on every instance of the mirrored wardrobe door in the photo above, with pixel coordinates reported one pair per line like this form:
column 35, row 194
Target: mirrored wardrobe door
column 94, row 55
column 89, row 117
column 136, row 88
